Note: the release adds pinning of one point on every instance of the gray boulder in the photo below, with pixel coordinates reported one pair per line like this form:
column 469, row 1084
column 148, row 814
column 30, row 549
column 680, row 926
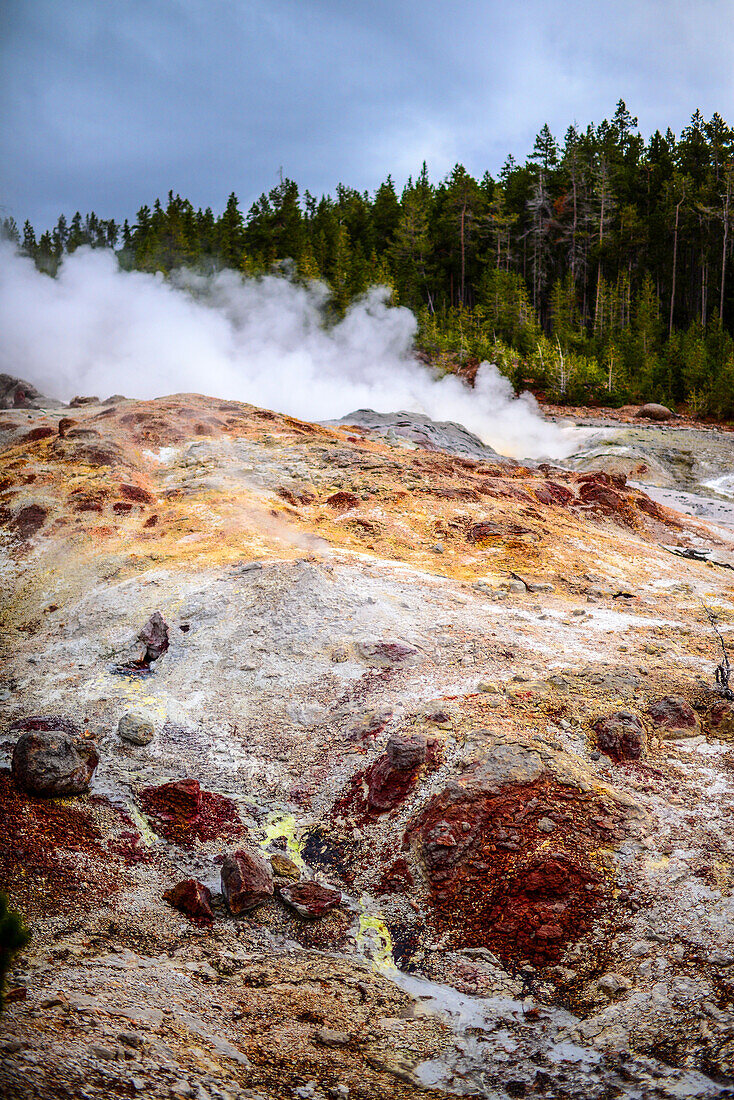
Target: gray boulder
column 135, row 728
column 51, row 763
column 654, row 412
column 421, row 431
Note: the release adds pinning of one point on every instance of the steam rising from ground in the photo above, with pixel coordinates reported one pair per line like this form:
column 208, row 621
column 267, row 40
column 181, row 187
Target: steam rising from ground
column 96, row 329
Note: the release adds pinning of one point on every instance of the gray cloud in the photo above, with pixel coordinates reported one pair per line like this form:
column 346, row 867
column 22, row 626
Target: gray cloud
column 106, row 105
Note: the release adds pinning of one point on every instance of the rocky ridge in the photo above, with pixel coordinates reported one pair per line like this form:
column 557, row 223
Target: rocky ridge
column 451, row 723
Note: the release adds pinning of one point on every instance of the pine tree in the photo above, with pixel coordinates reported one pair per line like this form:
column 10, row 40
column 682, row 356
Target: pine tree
column 231, row 234
column 9, row 231
column 545, row 150
column 29, row 246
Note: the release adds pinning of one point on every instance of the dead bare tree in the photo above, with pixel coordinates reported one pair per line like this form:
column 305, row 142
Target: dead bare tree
column 724, row 670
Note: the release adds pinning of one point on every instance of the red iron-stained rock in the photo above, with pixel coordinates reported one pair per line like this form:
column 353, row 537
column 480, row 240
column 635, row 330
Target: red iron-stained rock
column 482, row 532
column 173, row 800
column 28, row 521
column 182, row 812
column 674, row 717
column 47, row 722
column 76, row 851
column 247, row 881
column 551, row 900
column 310, row 899
column 392, row 775
column 483, row 840
column 192, row 898
column 343, row 501
column 553, row 493
column 721, row 719
column 621, row 735
column 397, row 879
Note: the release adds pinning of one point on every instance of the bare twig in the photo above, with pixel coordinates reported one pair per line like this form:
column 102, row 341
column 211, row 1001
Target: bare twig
column 724, row 670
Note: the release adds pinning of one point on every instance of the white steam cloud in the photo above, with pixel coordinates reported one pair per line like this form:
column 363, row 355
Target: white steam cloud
column 96, row 329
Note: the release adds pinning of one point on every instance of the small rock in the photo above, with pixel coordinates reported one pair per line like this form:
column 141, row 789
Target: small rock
column 675, row 717
column 393, row 774
column 51, row 763
column 154, row 637
column 406, row 751
column 182, row 1088
column 65, row 425
column 247, row 881
column 192, row 898
column 135, row 728
column 130, row 1038
column 284, row 867
column 546, row 825
column 103, row 1053
column 247, row 567
column 329, row 1038
column 613, row 983
column 12, row 1046
column 621, row 735
column 310, row 899
column 387, row 654
column 721, row 719
column 77, row 402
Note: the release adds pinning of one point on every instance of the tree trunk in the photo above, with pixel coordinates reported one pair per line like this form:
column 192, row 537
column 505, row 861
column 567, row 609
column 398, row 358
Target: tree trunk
column 463, row 253
column 601, row 242
column 675, row 265
column 573, row 232
column 724, row 246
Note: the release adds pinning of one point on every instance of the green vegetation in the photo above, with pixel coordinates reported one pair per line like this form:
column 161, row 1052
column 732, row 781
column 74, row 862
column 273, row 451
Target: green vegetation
column 596, row 272
column 13, row 937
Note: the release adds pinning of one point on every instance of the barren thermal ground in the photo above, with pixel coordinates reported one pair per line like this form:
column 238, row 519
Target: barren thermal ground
column 336, row 764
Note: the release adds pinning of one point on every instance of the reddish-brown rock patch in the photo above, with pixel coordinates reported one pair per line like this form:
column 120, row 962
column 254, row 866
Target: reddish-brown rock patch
column 511, row 869
column 342, row 500
column 56, row 854
column 28, row 521
column 182, row 813
column 397, row 879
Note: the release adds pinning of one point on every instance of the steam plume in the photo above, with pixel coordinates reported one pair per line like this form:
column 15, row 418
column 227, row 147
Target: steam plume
column 96, row 329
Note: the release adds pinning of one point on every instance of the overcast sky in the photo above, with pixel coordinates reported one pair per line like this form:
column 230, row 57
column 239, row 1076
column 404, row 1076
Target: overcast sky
column 107, row 103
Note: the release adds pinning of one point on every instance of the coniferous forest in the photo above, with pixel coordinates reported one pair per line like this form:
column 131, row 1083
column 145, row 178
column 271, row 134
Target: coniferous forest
column 597, row 272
